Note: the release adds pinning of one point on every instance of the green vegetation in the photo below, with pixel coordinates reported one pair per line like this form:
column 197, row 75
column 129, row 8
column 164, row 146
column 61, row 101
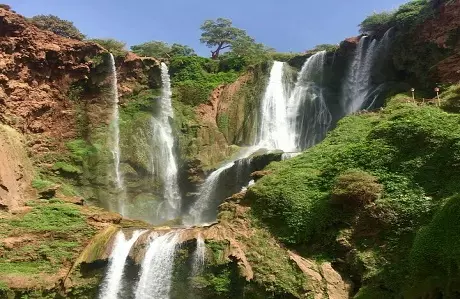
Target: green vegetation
column 450, row 99
column 117, row 48
column 194, row 78
column 435, row 255
column 159, row 49
column 220, row 33
column 55, row 24
column 48, row 237
column 395, row 168
column 407, row 16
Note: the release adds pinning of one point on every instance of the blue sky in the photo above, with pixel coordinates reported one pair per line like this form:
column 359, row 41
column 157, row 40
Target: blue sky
column 288, row 25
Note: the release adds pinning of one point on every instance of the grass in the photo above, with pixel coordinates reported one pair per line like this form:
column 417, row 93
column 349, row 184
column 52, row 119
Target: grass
column 48, row 239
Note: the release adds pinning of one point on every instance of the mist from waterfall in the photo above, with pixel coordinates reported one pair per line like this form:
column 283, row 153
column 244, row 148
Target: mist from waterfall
column 164, row 159
column 157, row 267
column 117, row 260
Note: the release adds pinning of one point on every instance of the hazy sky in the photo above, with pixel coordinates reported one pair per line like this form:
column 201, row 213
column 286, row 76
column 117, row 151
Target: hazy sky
column 287, row 25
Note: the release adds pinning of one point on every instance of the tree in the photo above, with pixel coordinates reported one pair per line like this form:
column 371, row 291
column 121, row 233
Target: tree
column 181, row 50
column 160, row 49
column 221, row 34
column 377, row 22
column 114, row 46
column 55, row 24
column 152, row 49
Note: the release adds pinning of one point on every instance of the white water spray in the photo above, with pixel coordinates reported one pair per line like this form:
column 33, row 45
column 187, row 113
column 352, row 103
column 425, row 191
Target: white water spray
column 198, row 212
column 157, row 267
column 115, row 126
column 112, row 282
column 199, row 255
column 274, row 130
column 358, row 90
column 163, row 136
column 308, row 115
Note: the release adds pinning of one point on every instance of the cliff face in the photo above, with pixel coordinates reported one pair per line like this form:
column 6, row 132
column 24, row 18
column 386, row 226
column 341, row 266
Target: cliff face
column 37, row 69
column 444, row 31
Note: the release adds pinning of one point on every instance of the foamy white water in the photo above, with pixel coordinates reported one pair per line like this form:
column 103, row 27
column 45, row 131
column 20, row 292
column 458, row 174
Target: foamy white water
column 308, row 115
column 117, row 260
column 157, row 267
column 274, row 130
column 165, row 159
column 197, row 213
column 199, row 255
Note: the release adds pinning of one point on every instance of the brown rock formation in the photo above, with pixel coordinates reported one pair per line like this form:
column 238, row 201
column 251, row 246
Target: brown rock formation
column 15, row 170
column 36, row 70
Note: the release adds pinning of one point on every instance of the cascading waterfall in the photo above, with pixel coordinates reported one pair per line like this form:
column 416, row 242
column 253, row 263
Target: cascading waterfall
column 115, row 127
column 199, row 212
column 112, row 282
column 157, row 267
column 199, row 255
column 308, row 115
column 274, row 131
column 358, row 90
column 164, row 158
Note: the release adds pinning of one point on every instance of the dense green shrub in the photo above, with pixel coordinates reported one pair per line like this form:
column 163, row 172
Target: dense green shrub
column 356, row 188
column 435, row 256
column 195, row 77
column 407, row 16
column 377, row 22
column 57, row 25
column 159, row 49
column 117, row 48
column 413, row 151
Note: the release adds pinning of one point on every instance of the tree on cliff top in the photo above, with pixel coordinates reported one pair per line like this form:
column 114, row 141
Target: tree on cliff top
column 221, row 34
column 161, row 49
column 117, row 48
column 57, row 25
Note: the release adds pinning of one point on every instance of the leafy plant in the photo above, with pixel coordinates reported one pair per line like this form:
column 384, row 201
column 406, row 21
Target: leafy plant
column 57, row 25
column 117, row 48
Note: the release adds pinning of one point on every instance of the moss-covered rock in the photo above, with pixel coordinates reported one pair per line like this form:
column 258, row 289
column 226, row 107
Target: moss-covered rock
column 403, row 159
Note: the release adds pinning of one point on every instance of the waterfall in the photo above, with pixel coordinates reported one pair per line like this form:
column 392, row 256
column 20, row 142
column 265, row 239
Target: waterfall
column 308, row 115
column 358, row 89
column 112, row 282
column 200, row 211
column 163, row 135
column 274, row 130
column 115, row 127
column 199, row 255
column 157, row 267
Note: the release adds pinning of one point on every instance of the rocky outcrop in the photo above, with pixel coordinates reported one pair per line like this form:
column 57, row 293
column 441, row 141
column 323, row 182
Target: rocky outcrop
column 16, row 171
column 36, row 70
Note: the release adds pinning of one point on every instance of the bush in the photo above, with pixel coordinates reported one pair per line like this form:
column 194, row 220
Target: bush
column 377, row 22
column 356, row 188
column 117, row 48
column 55, row 24
column 195, row 77
column 407, row 16
column 435, row 255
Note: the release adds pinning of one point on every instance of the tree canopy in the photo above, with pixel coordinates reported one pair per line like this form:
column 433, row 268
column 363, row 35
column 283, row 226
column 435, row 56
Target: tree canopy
column 117, row 48
column 161, row 49
column 220, row 33
column 57, row 25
